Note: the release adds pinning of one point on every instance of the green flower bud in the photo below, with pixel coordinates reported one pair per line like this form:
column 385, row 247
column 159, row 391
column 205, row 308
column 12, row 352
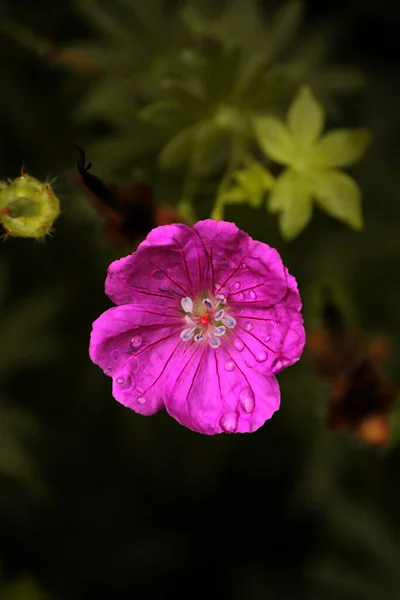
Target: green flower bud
column 28, row 207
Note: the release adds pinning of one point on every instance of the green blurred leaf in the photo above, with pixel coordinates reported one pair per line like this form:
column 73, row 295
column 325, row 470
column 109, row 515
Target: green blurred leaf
column 274, row 139
column 291, row 197
column 339, row 196
column 342, row 147
column 305, row 117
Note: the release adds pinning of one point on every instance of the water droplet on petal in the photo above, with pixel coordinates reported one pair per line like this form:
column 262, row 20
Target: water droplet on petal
column 158, row 275
column 248, row 326
column 141, row 400
column 252, row 294
column 246, row 398
column 238, row 344
column 237, row 285
column 140, row 389
column 229, row 365
column 187, row 305
column 267, row 338
column 124, row 381
column 115, row 355
column 276, row 365
column 108, row 370
column 243, row 266
column 262, row 357
column 229, row 421
column 221, row 262
column 136, row 341
column 240, row 296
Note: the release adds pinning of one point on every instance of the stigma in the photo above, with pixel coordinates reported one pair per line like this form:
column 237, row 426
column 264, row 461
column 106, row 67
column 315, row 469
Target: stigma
column 207, row 320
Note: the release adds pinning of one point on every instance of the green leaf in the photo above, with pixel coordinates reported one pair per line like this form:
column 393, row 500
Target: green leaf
column 342, row 147
column 291, row 197
column 274, row 139
column 178, row 149
column 305, row 117
column 339, row 196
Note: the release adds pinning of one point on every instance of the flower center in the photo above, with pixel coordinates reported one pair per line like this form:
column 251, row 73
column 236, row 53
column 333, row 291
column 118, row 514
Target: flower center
column 208, row 319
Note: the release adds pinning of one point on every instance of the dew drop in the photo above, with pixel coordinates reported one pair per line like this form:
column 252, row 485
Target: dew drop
column 252, row 294
column 237, row 285
column 262, row 357
column 124, row 381
column 140, row 389
column 115, row 355
column 221, row 262
column 240, row 296
column 133, row 364
column 238, row 344
column 276, row 365
column 229, row 366
column 157, row 275
column 136, row 341
column 229, row 421
column 248, row 326
column 141, row 400
column 246, row 399
column 267, row 338
column 243, row 266
column 108, row 370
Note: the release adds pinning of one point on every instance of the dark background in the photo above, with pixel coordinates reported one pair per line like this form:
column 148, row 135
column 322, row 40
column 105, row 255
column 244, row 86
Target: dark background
column 96, row 501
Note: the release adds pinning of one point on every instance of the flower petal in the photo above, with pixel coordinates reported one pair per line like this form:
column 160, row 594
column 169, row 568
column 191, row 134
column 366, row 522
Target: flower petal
column 241, row 268
column 215, row 392
column 270, row 338
column 339, row 195
column 135, row 346
column 305, row 117
column 170, row 264
column 274, row 139
column 342, row 147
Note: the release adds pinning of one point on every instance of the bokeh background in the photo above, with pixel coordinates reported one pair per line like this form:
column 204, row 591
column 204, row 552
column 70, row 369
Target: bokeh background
column 96, row 501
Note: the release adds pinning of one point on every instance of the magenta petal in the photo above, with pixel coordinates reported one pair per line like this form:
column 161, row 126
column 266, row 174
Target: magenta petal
column 242, row 268
column 270, row 338
column 135, row 345
column 170, row 263
column 213, row 391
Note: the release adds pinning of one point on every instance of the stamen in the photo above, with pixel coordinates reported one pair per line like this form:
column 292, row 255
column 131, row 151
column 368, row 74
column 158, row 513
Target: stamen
column 219, row 330
column 198, row 337
column 218, row 316
column 190, row 321
column 187, row 334
column 207, row 302
column 228, row 321
column 214, row 342
column 187, row 304
column 220, row 298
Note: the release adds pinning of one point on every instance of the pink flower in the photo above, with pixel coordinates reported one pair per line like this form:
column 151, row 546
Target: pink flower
column 205, row 317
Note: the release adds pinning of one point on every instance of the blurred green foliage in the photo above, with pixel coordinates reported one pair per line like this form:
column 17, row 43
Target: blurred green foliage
column 94, row 499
